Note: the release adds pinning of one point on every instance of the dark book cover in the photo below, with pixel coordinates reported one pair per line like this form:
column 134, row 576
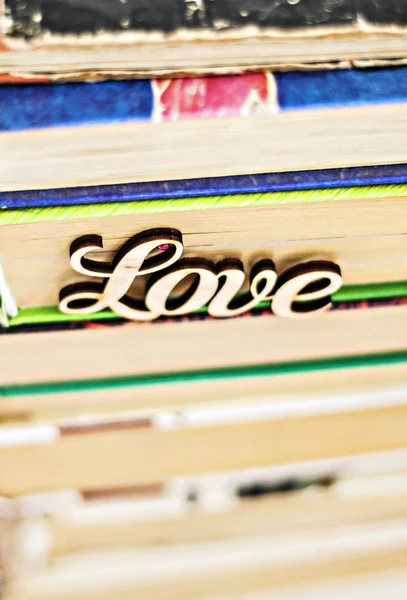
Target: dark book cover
column 224, row 35
column 32, row 18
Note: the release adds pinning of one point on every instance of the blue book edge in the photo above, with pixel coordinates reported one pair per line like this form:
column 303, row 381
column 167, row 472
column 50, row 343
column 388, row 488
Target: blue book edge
column 219, row 186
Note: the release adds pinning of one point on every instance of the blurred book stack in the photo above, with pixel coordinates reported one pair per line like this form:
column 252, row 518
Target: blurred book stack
column 203, row 285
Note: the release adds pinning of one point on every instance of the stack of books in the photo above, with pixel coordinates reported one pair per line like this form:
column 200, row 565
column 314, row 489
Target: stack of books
column 203, row 299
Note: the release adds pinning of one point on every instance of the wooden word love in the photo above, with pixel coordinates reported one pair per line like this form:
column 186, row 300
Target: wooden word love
column 300, row 291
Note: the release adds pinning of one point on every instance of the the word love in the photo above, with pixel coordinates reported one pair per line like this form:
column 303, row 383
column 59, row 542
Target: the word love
column 301, row 290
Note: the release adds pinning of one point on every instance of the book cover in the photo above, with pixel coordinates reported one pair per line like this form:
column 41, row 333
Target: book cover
column 192, row 35
column 211, row 116
column 208, row 187
column 32, row 19
column 39, row 106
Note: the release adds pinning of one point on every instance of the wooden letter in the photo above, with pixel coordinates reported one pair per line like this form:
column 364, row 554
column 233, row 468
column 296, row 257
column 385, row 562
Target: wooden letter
column 130, row 261
column 301, row 290
column 201, row 290
column 262, row 281
column 306, row 289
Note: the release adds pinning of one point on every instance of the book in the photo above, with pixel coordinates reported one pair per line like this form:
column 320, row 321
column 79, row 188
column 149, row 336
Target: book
column 273, row 512
column 263, row 222
column 355, row 235
column 71, row 39
column 202, row 442
column 206, row 187
column 127, row 350
column 78, row 134
column 346, row 560
column 137, row 396
column 357, row 228
column 229, row 511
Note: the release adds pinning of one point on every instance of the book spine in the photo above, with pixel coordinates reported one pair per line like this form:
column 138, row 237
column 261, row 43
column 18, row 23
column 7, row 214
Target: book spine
column 40, row 106
column 363, row 177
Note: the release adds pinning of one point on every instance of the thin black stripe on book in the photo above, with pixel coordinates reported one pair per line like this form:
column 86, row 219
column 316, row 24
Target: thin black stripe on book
column 202, row 316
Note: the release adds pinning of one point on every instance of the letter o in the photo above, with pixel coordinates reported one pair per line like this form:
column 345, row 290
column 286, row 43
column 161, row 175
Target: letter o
column 199, row 293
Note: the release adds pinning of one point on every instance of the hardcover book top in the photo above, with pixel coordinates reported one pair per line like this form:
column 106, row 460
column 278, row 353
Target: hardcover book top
column 34, row 18
column 94, row 38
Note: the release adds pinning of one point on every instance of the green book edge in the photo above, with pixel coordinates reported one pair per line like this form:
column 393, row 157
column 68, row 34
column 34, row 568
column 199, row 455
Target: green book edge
column 91, row 211
column 263, row 370
column 352, row 293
